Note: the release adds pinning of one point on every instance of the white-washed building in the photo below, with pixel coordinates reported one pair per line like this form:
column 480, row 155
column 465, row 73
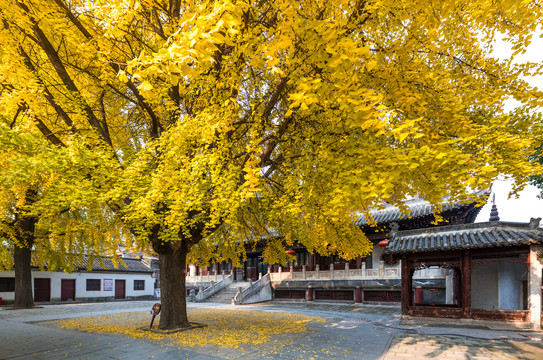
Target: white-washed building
column 130, row 279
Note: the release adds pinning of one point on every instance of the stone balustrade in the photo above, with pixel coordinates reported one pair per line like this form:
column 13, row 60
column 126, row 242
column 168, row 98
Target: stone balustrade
column 206, row 278
column 383, row 272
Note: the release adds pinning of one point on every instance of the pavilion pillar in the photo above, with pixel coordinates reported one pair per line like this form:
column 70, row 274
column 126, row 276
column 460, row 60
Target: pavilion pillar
column 535, row 286
column 467, row 267
column 407, row 285
column 311, row 262
column 358, row 262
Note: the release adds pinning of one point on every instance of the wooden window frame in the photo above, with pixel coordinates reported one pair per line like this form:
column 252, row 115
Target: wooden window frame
column 91, row 285
column 137, row 288
column 7, row 284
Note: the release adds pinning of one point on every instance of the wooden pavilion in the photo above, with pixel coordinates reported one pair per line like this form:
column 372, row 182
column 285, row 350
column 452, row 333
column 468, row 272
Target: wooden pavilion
column 494, row 270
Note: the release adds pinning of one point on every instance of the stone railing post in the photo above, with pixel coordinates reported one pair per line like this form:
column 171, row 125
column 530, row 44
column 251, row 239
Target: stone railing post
column 291, row 270
column 381, row 268
column 317, row 275
column 237, row 298
column 280, row 271
column 215, row 276
column 346, row 271
column 201, row 276
column 331, row 271
column 363, row 270
column 304, row 275
column 259, row 275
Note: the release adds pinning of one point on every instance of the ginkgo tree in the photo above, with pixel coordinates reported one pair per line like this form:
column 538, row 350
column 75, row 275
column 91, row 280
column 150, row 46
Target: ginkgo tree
column 50, row 212
column 230, row 119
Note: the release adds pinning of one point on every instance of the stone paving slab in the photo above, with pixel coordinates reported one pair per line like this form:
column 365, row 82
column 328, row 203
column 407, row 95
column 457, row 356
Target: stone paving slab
column 445, row 347
column 68, row 310
column 350, row 331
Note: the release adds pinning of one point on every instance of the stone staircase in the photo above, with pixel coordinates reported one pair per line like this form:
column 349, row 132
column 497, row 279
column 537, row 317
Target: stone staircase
column 226, row 295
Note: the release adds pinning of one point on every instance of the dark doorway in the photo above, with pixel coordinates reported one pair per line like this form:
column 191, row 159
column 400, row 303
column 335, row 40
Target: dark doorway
column 67, row 289
column 251, row 270
column 120, row 289
column 262, row 267
column 42, row 289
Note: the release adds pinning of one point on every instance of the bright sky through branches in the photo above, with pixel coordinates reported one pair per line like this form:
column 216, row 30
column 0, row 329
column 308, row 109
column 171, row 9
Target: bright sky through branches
column 527, row 205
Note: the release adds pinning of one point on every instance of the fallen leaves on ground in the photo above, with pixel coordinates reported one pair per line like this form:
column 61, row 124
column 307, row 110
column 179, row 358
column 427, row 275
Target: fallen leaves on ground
column 224, row 328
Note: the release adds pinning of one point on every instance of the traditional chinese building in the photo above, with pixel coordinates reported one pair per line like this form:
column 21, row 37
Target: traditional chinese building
column 371, row 279
column 492, row 270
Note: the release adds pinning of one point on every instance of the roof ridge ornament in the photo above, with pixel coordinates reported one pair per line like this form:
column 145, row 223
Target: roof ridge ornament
column 534, row 223
column 494, row 216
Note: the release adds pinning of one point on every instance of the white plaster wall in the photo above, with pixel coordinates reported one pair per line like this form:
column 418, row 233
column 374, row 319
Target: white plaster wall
column 484, row 286
column 509, row 285
column 376, row 256
column 81, row 283
column 7, row 295
column 534, row 286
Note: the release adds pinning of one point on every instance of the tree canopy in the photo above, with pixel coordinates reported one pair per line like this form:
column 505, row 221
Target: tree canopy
column 211, row 123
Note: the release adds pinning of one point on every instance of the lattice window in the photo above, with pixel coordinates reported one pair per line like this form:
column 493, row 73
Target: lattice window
column 289, row 294
column 345, row 295
column 7, row 284
column 93, row 284
column 139, row 284
column 382, row 296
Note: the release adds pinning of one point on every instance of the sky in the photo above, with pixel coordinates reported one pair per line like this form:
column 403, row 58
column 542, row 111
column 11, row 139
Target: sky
column 527, row 205
column 513, row 210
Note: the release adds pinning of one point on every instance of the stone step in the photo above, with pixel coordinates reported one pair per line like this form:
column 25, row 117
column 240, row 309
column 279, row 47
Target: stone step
column 227, row 294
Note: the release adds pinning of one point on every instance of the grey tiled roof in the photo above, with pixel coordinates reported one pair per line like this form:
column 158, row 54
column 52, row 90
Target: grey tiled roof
column 106, row 264
column 419, row 208
column 465, row 236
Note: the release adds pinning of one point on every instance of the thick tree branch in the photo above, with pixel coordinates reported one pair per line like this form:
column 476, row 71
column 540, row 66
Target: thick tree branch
column 60, row 69
column 59, row 110
column 155, row 124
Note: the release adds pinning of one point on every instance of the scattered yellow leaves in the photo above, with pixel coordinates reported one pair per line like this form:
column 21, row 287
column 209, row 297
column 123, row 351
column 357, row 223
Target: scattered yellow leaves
column 224, row 328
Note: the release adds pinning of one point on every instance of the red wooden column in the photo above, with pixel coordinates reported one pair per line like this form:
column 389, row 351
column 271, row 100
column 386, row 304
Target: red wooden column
column 358, row 262
column 358, row 295
column 309, row 293
column 311, row 262
column 407, row 286
column 467, row 267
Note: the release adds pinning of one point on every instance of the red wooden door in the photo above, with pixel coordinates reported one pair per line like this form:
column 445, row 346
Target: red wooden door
column 67, row 289
column 42, row 289
column 119, row 289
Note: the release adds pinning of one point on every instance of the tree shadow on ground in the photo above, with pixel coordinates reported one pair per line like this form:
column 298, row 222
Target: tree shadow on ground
column 438, row 346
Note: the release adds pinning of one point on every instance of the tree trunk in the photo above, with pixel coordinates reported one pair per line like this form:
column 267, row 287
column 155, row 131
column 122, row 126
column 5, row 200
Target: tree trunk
column 22, row 255
column 23, row 277
column 173, row 314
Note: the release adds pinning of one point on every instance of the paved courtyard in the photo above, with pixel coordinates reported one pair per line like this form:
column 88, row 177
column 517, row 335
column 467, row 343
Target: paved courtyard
column 348, row 332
